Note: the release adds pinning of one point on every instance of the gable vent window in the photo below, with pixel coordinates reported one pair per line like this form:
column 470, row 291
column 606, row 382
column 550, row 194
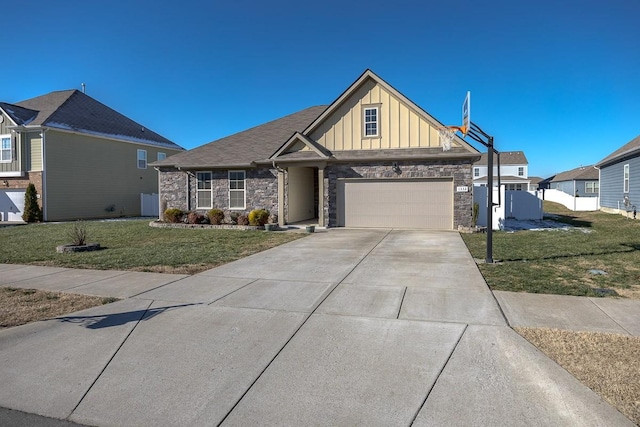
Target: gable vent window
column 476, row 172
column 142, row 159
column 5, row 149
column 371, row 126
column 520, row 171
column 161, row 156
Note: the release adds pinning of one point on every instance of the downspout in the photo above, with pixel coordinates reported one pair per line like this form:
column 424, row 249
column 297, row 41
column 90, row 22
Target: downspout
column 44, row 175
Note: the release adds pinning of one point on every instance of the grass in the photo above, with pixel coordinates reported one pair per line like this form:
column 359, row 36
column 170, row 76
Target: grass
column 22, row 306
column 606, row 363
column 134, row 245
column 559, row 261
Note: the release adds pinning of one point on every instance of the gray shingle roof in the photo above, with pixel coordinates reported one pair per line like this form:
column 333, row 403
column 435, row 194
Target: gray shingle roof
column 75, row 111
column 21, row 116
column 506, row 158
column 581, row 173
column 246, row 147
column 630, row 148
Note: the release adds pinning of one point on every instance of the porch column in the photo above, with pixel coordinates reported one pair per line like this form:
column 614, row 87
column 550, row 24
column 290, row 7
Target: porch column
column 321, row 197
column 281, row 221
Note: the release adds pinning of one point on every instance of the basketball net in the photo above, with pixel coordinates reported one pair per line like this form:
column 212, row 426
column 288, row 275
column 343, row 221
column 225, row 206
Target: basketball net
column 446, row 137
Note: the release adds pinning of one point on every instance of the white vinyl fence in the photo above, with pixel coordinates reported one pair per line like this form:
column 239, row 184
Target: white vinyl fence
column 519, row 205
column 149, row 204
column 571, row 202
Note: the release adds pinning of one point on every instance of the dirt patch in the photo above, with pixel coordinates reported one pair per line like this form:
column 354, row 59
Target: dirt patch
column 606, row 363
column 22, row 306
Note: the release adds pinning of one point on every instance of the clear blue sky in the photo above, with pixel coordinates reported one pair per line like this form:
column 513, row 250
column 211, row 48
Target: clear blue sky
column 558, row 79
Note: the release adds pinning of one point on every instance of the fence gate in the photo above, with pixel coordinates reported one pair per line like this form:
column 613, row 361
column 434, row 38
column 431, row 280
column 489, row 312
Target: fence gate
column 149, row 205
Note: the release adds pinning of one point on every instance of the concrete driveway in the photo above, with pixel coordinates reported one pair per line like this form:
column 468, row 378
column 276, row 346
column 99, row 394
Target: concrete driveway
column 346, row 327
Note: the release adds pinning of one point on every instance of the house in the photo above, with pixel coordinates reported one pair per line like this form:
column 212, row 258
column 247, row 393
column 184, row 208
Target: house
column 371, row 158
column 85, row 159
column 513, row 171
column 579, row 182
column 536, row 183
column 620, row 178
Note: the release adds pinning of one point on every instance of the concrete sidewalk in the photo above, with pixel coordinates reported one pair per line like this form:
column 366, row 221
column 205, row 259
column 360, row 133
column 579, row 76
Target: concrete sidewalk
column 346, row 327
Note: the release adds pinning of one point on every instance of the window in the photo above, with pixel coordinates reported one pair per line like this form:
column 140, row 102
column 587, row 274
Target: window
column 476, row 171
column 626, row 178
column 371, row 121
column 237, row 190
column 161, row 156
column 591, row 187
column 203, row 192
column 5, row 150
column 521, row 171
column 142, row 159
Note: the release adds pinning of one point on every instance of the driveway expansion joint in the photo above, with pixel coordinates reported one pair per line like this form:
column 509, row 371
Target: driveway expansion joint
column 109, row 361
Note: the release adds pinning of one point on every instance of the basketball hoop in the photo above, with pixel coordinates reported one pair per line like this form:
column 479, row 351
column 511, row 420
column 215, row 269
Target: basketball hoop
column 446, row 136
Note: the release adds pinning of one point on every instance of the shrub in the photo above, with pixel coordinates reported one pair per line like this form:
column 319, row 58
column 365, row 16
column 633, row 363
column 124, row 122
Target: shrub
column 243, row 220
column 195, row 218
column 258, row 217
column 78, row 234
column 234, row 217
column 173, row 215
column 216, row 216
column 476, row 211
column 32, row 211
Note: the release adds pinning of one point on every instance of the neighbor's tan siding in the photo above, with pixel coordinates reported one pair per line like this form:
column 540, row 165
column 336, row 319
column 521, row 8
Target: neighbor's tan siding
column 34, row 155
column 90, row 177
column 399, row 125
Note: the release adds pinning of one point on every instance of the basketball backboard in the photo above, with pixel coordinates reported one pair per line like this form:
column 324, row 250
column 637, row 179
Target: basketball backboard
column 466, row 114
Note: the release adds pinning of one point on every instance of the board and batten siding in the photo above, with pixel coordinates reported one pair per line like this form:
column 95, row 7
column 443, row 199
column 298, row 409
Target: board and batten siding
column 92, row 177
column 17, row 162
column 400, row 126
column 612, row 184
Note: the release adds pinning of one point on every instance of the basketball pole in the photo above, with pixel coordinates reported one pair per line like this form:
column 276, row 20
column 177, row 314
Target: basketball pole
column 477, row 134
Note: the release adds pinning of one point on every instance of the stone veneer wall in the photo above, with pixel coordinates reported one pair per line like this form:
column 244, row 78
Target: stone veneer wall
column 460, row 171
column 261, row 190
column 173, row 189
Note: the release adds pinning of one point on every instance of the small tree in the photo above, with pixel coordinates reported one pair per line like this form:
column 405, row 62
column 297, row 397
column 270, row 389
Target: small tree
column 32, row 211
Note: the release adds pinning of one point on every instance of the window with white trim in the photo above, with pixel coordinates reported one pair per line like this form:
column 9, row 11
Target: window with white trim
column 6, row 151
column 476, row 172
column 591, row 187
column 626, row 179
column 161, row 156
column 204, row 196
column 237, row 190
column 521, row 171
column 370, row 121
column 142, row 159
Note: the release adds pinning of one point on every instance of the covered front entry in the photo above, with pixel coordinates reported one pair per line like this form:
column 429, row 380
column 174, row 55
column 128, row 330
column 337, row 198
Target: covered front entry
column 396, row 203
column 302, row 194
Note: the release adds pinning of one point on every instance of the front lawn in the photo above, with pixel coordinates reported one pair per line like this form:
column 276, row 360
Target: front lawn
column 134, row 245
column 566, row 261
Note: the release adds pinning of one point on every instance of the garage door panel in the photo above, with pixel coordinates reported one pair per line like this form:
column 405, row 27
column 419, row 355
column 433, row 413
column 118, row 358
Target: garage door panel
column 396, row 203
column 11, row 205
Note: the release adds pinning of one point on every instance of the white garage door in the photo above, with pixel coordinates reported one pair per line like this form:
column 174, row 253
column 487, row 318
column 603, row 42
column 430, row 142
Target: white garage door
column 11, row 205
column 396, row 203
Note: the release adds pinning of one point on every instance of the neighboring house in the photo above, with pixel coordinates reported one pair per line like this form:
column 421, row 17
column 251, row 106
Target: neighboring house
column 85, row 159
column 372, row 158
column 545, row 184
column 620, row 178
column 579, row 182
column 513, row 171
column 535, row 183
